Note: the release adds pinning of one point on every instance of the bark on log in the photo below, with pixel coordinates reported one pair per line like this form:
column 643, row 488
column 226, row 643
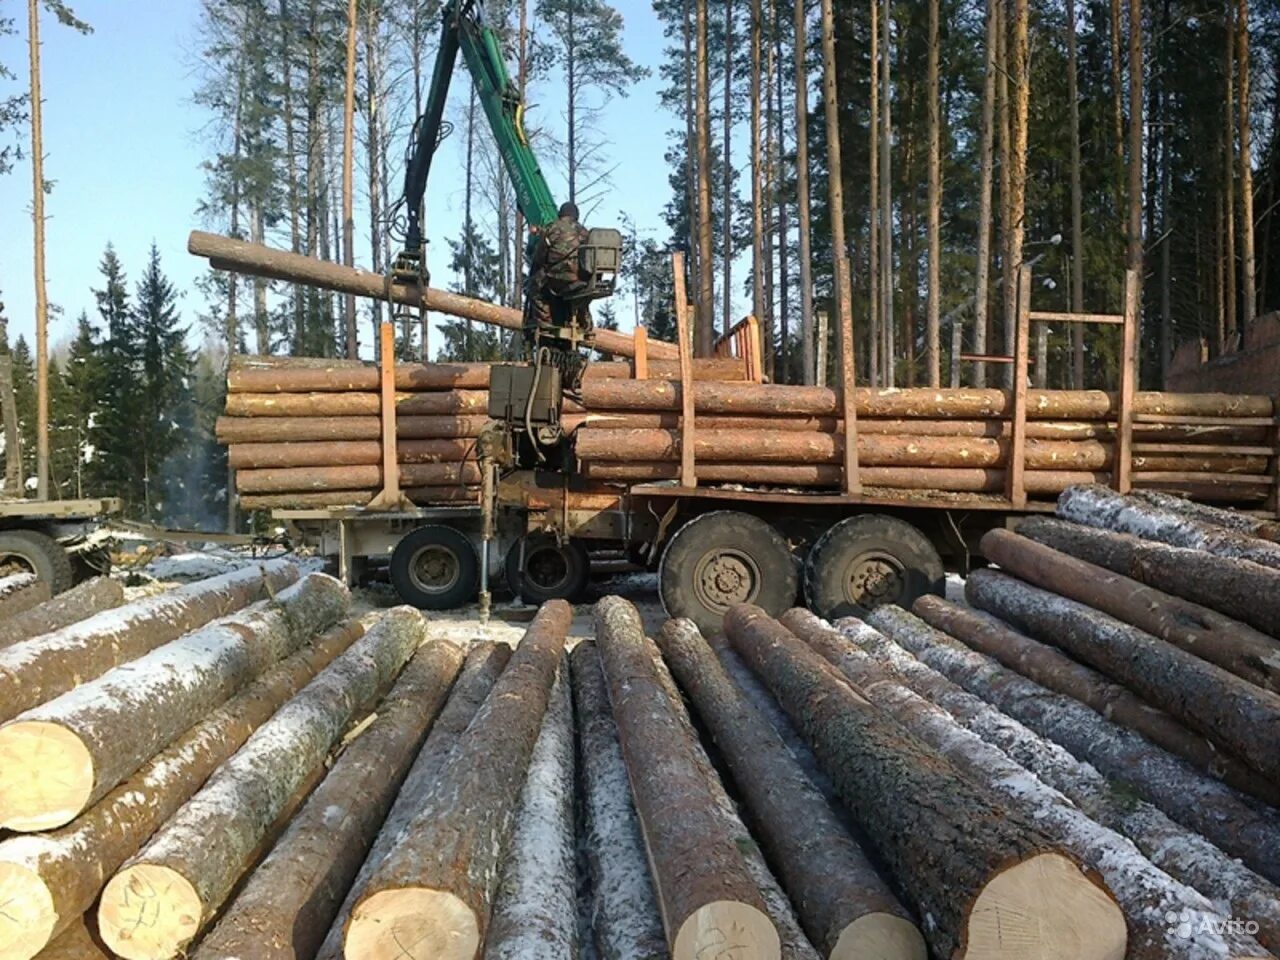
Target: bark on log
column 79, row 603
column 1234, row 646
column 231, row 430
column 224, row 253
column 258, row 456
column 704, row 888
column 535, row 911
column 625, row 919
column 1098, row 506
column 165, row 896
column 63, row 756
column 323, row 479
column 49, row 881
column 1236, row 824
column 845, row 908
column 288, row 903
column 431, row 896
column 1182, row 853
column 480, row 671
column 1233, row 713
column 1238, row 588
column 1231, row 519
column 19, row 592
column 1052, row 669
column 78, row 943
column 422, row 496
column 1147, row 895
column 36, row 670
column 965, row 862
column 451, row 403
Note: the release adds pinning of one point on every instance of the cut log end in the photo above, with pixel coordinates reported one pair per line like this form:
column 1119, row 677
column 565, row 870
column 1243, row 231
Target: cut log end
column 46, row 776
column 27, row 913
column 727, row 928
column 149, row 912
column 880, row 936
column 1044, row 907
column 413, row 923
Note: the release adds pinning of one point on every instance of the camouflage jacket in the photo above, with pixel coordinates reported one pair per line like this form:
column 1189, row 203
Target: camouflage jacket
column 556, row 256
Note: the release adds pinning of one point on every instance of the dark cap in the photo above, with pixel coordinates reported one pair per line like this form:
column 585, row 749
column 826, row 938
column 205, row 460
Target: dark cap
column 569, row 210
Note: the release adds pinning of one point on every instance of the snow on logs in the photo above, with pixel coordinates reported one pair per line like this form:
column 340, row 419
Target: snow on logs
column 432, row 895
column 62, row 756
column 39, row 669
column 48, row 881
column 20, row 592
column 79, row 603
column 976, row 871
column 844, row 906
column 286, row 906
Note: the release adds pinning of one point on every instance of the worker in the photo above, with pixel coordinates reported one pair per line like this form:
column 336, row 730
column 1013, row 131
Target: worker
column 555, row 277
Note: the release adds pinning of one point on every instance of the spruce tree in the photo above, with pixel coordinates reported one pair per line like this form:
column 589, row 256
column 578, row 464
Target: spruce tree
column 24, row 401
column 113, row 471
column 82, row 383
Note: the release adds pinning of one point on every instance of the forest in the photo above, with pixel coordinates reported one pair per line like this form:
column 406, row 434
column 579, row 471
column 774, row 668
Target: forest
column 1078, row 137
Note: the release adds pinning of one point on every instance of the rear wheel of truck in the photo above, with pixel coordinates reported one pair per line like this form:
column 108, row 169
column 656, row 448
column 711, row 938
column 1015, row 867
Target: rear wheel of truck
column 435, row 568
column 38, row 553
column 552, row 570
column 869, row 561
column 724, row 558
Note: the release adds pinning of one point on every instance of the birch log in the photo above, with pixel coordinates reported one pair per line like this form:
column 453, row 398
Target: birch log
column 36, row 670
column 164, row 897
column 49, row 881
column 431, row 897
column 79, row 603
column 61, row 757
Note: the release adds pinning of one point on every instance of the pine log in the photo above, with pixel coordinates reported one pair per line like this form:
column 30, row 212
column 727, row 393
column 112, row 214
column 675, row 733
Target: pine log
column 704, row 888
column 976, row 871
column 19, row 592
column 43, row 667
column 451, row 403
column 231, row 430
column 1251, row 526
column 1099, row 506
column 535, row 911
column 1233, row 713
column 79, row 603
column 1146, row 894
column 625, row 919
column 1234, row 646
column 257, row 456
column 845, row 908
column 1180, row 852
column 289, row 901
column 78, row 943
column 1236, row 824
column 1053, row 669
column 59, row 758
column 49, row 881
column 1238, row 588
column 320, row 479
column 431, row 896
column 164, row 897
column 483, row 664
column 225, row 253
column 422, row 496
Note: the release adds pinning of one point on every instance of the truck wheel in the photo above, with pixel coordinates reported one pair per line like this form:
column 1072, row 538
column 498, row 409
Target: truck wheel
column 868, row 561
column 551, row 571
column 40, row 554
column 436, row 568
column 724, row 558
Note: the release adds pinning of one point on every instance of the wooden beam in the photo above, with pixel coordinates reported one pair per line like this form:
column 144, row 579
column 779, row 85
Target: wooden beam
column 1016, row 489
column 1128, row 382
column 688, row 473
column 1061, row 316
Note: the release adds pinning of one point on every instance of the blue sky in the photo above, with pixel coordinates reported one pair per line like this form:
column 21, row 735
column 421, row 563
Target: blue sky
column 124, row 145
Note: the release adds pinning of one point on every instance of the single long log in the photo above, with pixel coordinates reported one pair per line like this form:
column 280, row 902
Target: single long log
column 422, row 496
column 1236, row 824
column 59, row 758
column 258, row 456
column 535, row 911
column 1147, row 895
column 845, row 908
column 224, row 253
column 48, row 881
column 290, row 900
column 1232, row 645
column 435, row 889
column 451, row 403
column 702, row 882
column 963, row 860
column 43, row 667
column 229, row 430
column 480, row 671
column 1182, row 853
column 319, row 479
column 1238, row 588
column 1053, row 669
column 1231, row 519
column 19, row 592
column 1233, row 713
column 79, row 603
column 625, row 919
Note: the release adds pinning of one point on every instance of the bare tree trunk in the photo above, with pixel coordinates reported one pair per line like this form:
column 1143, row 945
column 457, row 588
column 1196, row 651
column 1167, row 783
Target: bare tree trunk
column 802, row 193
column 873, row 151
column 840, row 249
column 933, row 320
column 910, row 244
column 706, row 314
column 37, row 219
column 571, row 85
column 1117, row 96
column 690, row 147
column 373, row 123
column 291, row 164
column 348, row 180
column 886, row 200
column 1134, row 258
column 726, row 243
column 1249, row 266
column 1006, row 189
column 1020, row 73
column 783, row 360
column 982, row 294
column 757, row 172
column 768, row 192
column 1159, row 125
column 261, row 320
column 1077, row 214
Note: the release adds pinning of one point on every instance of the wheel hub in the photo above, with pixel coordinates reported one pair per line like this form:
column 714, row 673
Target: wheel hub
column 547, row 568
column 875, row 579
column 726, row 577
column 435, row 569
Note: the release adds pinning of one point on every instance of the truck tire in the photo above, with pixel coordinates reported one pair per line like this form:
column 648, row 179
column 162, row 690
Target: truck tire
column 40, row 554
column 552, row 571
column 435, row 568
column 724, row 558
column 868, row 561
